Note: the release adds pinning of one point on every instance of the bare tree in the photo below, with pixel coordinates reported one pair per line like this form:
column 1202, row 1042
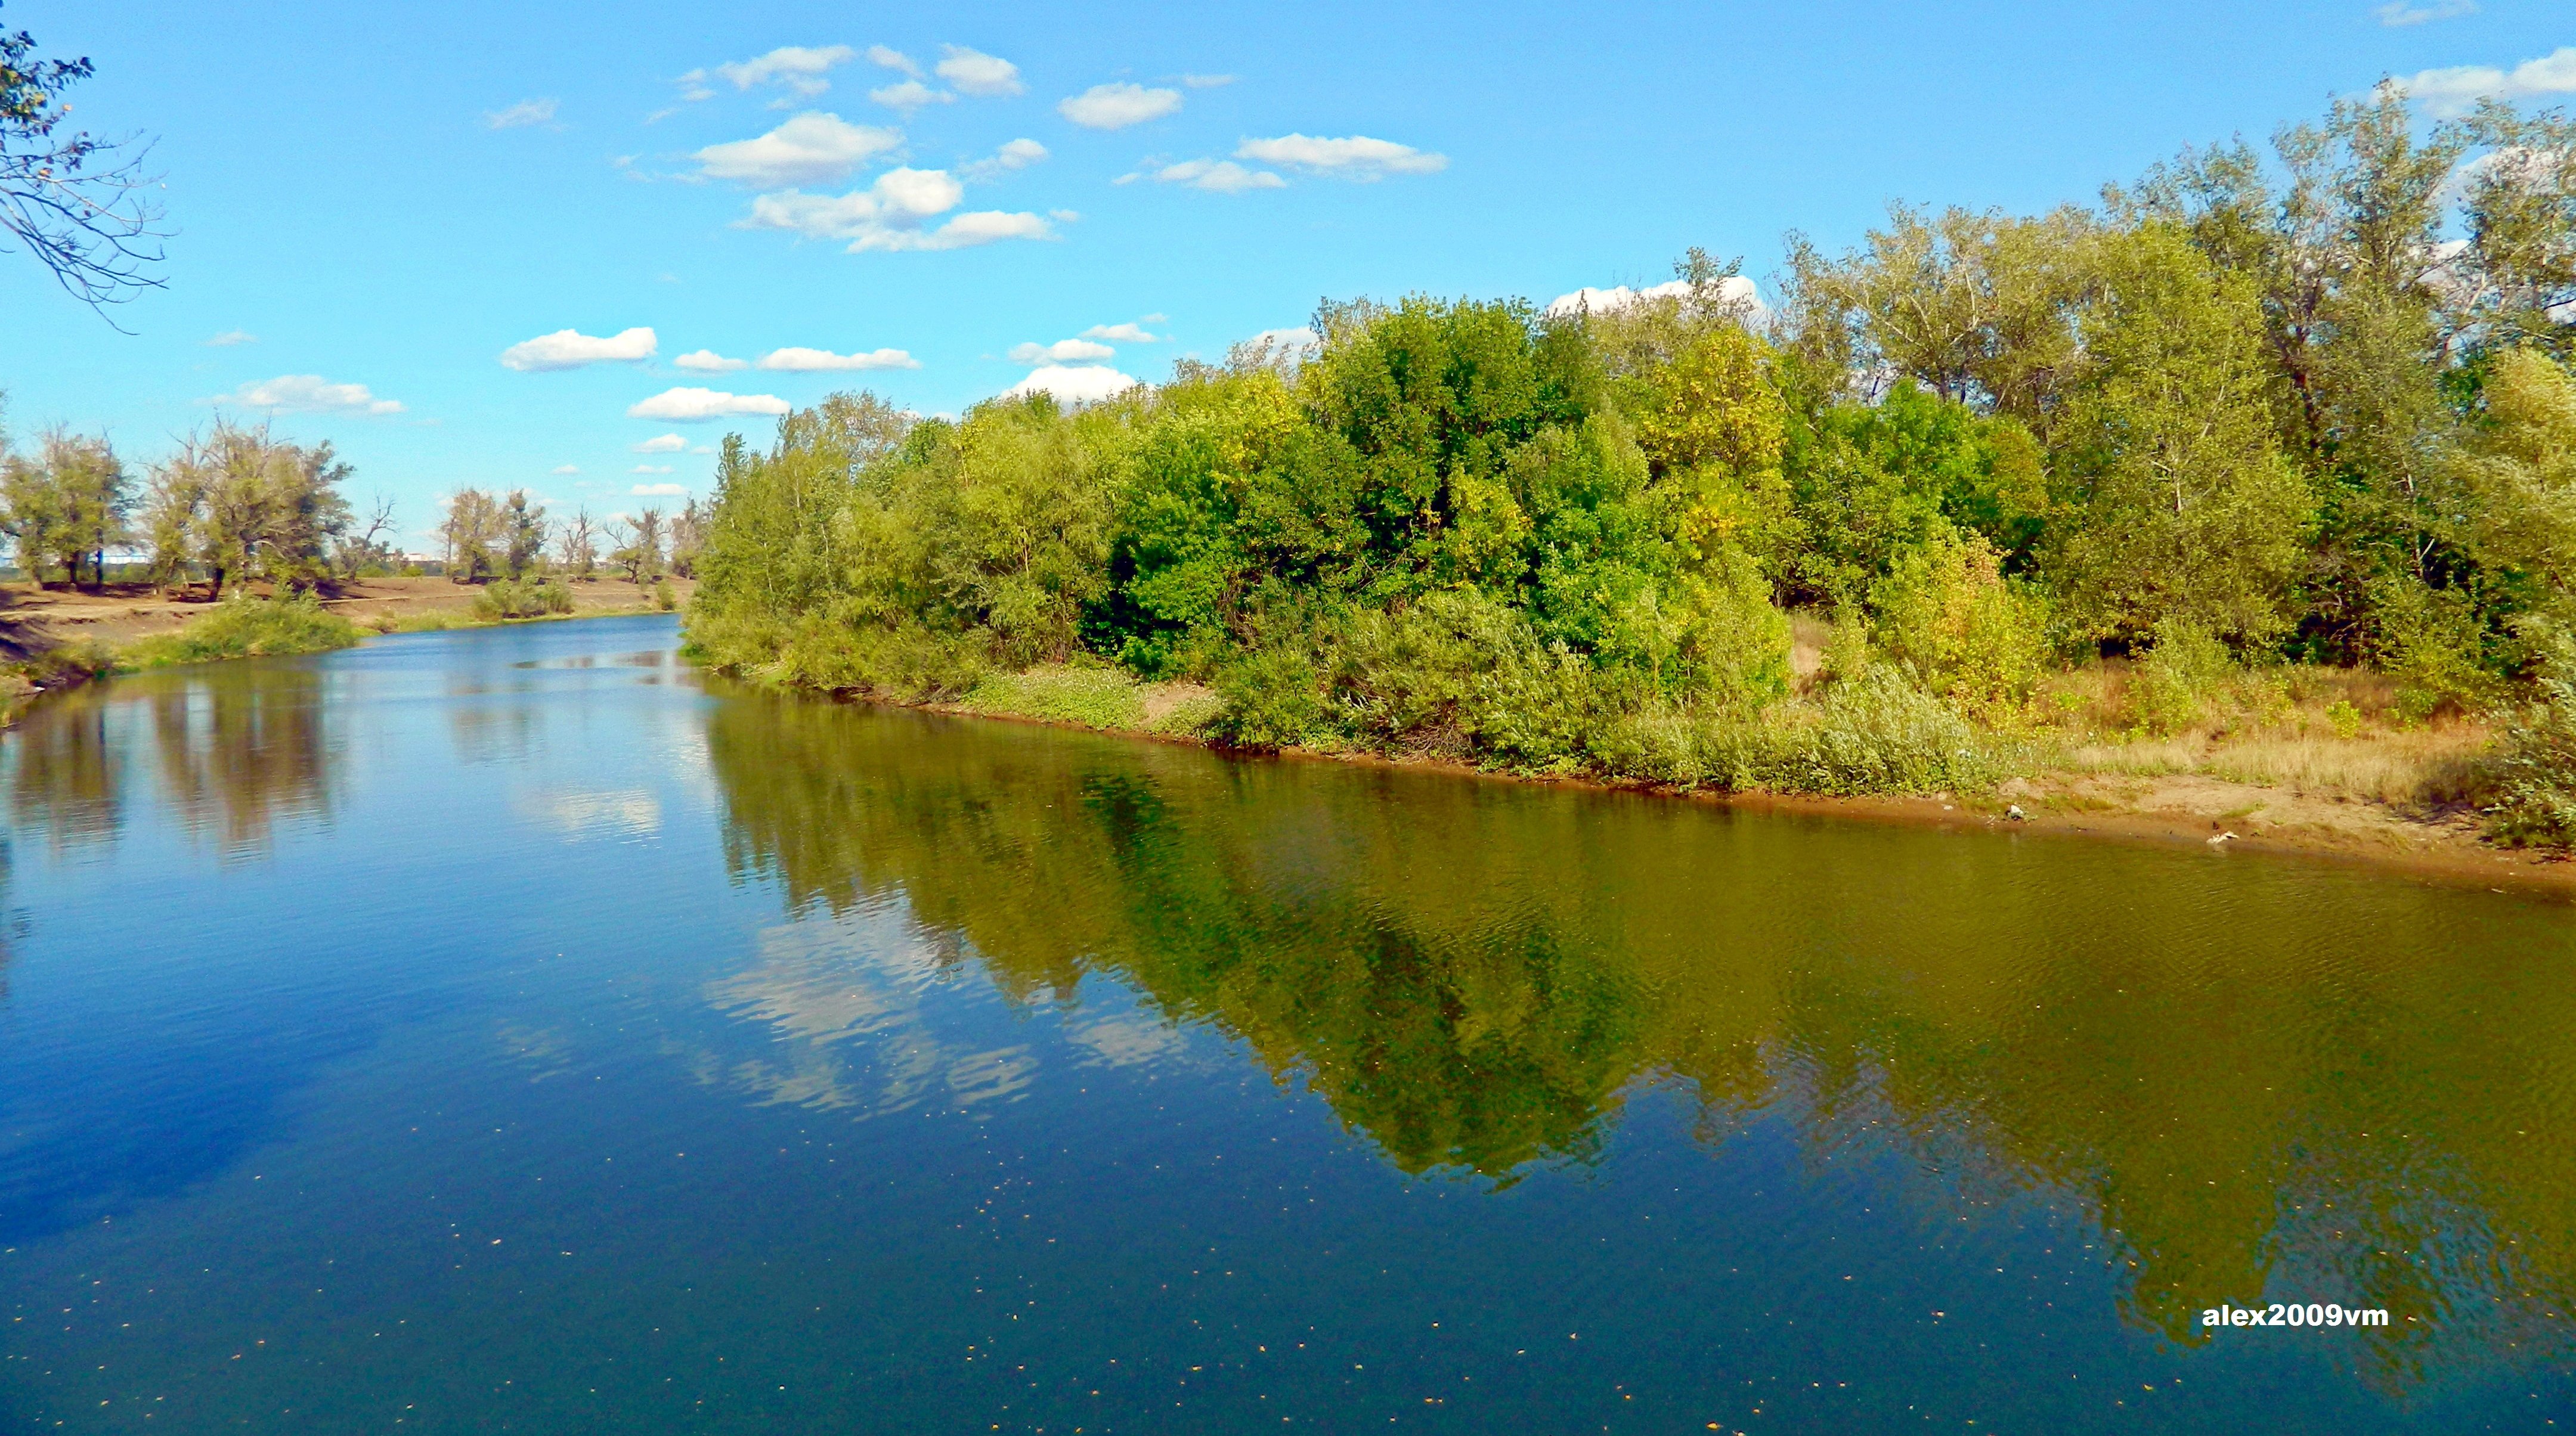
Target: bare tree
column 81, row 205
column 577, row 546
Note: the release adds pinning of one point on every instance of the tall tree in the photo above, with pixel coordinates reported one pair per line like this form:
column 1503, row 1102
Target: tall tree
column 66, row 504
column 253, row 505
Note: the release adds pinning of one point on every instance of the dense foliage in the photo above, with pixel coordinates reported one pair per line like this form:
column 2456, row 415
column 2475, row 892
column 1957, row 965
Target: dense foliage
column 2247, row 411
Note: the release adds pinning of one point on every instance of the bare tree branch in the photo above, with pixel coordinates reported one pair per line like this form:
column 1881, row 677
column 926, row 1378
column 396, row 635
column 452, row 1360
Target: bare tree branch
column 83, row 206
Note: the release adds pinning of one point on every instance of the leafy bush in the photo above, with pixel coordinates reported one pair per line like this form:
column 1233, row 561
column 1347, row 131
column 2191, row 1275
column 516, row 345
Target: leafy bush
column 1272, row 700
column 2533, row 772
column 1975, row 638
column 504, row 599
column 665, row 597
column 247, row 627
column 2172, row 687
column 1881, row 734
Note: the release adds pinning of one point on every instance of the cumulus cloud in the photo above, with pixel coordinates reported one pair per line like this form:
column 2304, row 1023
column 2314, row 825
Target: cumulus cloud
column 307, row 394
column 1116, row 106
column 571, row 349
column 1735, row 292
column 708, row 361
column 1220, row 176
column 564, row 470
column 1123, row 333
column 520, row 115
column 2398, row 13
column 1015, row 155
column 659, row 491
column 231, row 337
column 650, row 469
column 909, row 95
column 1060, row 352
column 1206, row 82
column 2457, row 90
column 797, row 67
column 890, row 58
column 1074, row 384
column 664, row 444
column 691, row 406
column 1351, row 157
column 977, row 73
column 824, row 361
column 893, row 214
column 814, row 147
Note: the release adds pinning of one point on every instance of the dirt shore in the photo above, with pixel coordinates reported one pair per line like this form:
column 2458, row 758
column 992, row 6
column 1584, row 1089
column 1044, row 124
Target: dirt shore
column 34, row 621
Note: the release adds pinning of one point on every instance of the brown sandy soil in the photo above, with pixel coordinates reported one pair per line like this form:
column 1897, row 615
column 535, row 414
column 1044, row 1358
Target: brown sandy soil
column 34, row 620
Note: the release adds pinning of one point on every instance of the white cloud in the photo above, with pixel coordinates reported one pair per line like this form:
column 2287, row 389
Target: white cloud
column 1352, row 157
column 1116, row 106
column 1122, row 334
column 1206, row 82
column 520, row 115
column 2457, row 90
column 307, row 394
column 231, row 337
column 1060, row 352
column 1735, row 291
column 690, row 406
column 1221, row 176
column 659, row 491
column 824, row 361
column 564, row 470
column 1078, row 384
column 813, row 147
column 708, row 361
column 571, row 349
column 978, row 73
column 2398, row 13
column 797, row 67
column 892, row 214
column 650, row 469
column 909, row 95
column 1014, row 155
column 663, row 444
column 888, row 57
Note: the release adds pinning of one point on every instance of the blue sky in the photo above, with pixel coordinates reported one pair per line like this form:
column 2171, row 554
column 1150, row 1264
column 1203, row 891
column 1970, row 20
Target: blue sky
column 387, row 198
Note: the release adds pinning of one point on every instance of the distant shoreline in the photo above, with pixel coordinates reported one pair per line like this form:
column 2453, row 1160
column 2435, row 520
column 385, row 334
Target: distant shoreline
column 35, row 622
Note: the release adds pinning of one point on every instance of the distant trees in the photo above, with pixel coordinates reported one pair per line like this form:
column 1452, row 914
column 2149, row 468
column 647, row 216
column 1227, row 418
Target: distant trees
column 243, row 504
column 577, row 545
column 65, row 505
column 637, row 544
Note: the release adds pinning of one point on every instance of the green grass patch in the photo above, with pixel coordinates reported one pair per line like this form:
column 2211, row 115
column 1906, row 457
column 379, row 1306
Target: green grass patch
column 246, row 627
column 1089, row 697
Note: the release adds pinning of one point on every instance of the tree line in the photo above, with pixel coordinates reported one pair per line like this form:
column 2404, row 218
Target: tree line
column 2311, row 406
column 495, row 534
column 234, row 503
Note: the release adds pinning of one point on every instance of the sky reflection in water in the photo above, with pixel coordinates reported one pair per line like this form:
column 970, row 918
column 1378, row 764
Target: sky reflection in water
column 514, row 1027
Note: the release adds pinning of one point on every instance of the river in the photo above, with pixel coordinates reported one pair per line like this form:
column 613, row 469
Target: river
column 517, row 1029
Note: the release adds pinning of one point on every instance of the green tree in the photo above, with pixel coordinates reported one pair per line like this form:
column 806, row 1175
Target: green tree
column 2186, row 507
column 66, row 504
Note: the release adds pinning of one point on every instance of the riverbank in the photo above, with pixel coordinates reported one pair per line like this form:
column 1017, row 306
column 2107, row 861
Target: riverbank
column 41, row 628
column 2380, row 790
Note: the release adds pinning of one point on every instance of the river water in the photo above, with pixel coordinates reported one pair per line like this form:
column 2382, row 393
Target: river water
column 515, row 1030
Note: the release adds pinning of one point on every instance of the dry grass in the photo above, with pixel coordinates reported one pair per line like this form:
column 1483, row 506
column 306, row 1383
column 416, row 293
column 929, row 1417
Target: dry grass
column 2276, row 729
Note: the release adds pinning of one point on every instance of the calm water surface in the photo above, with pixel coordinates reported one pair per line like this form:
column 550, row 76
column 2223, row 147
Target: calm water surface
column 514, row 1031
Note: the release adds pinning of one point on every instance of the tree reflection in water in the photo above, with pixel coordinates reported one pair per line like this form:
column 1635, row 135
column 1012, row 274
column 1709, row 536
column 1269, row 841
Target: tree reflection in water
column 235, row 748
column 2256, row 1077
